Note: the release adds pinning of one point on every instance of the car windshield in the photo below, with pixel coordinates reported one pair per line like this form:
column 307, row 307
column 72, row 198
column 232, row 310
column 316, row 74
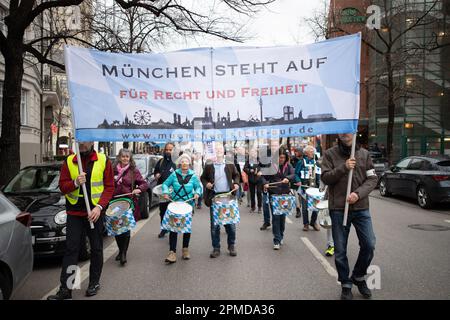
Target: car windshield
column 141, row 164
column 35, row 179
column 444, row 165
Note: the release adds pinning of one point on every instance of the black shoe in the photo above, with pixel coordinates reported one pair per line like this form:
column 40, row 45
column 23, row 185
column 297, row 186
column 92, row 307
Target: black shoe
column 118, row 257
column 298, row 214
column 362, row 287
column 123, row 258
column 92, row 290
column 346, row 294
column 265, row 226
column 162, row 234
column 233, row 251
column 215, row 253
column 62, row 294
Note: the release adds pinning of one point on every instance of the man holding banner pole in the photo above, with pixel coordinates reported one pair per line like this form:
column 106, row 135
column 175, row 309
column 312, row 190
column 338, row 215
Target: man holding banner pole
column 338, row 166
column 84, row 213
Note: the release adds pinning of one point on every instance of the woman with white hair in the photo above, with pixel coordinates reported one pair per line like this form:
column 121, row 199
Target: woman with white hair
column 186, row 185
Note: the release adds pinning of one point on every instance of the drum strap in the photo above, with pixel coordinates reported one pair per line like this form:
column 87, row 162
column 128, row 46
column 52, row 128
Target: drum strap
column 182, row 182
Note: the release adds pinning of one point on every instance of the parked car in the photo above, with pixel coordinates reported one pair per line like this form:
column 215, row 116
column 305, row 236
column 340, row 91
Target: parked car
column 425, row 178
column 16, row 248
column 146, row 164
column 35, row 190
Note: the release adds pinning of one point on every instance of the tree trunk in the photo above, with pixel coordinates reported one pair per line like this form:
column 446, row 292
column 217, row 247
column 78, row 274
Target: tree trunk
column 12, row 90
column 391, row 109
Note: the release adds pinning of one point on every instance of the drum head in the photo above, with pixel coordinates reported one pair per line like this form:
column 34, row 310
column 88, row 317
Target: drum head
column 223, row 198
column 118, row 207
column 157, row 190
column 179, row 208
column 322, row 205
column 315, row 193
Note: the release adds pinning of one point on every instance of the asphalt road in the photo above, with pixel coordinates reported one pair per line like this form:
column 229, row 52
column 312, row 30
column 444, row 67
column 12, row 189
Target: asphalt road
column 413, row 264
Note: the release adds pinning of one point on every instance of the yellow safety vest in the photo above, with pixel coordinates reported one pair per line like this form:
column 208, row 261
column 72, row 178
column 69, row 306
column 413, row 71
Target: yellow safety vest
column 96, row 179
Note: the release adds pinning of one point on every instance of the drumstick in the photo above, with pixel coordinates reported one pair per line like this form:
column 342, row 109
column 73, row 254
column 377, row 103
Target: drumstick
column 125, row 194
column 273, row 183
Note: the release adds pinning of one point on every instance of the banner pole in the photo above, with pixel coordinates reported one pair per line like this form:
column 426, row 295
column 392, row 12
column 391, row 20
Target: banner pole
column 83, row 185
column 349, row 182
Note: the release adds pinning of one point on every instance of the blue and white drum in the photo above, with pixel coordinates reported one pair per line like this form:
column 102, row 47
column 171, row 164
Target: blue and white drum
column 119, row 216
column 225, row 210
column 314, row 197
column 283, row 204
column 178, row 218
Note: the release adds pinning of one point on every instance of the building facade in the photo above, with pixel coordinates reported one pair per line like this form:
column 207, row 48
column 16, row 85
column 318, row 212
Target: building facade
column 421, row 70
column 422, row 81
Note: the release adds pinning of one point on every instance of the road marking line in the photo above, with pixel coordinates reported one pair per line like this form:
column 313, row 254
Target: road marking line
column 289, row 220
column 447, row 221
column 107, row 253
column 328, row 268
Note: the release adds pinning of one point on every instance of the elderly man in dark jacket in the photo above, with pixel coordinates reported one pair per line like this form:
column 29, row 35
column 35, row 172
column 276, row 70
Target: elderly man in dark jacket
column 220, row 177
column 336, row 165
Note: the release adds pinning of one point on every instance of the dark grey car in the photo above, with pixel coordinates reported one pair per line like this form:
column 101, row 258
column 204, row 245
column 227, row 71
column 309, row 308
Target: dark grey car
column 16, row 248
column 425, row 178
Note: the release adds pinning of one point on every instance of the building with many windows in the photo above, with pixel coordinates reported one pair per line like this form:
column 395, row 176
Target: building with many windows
column 421, row 70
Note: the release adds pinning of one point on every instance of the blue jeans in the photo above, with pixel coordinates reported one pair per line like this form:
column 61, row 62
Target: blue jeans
column 305, row 213
column 266, row 209
column 215, row 232
column 363, row 225
column 278, row 226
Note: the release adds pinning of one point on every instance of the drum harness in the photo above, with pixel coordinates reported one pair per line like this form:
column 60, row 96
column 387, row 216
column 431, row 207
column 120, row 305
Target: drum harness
column 182, row 181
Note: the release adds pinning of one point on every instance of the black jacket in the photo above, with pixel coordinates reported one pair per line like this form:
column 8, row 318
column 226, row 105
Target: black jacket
column 165, row 168
column 282, row 173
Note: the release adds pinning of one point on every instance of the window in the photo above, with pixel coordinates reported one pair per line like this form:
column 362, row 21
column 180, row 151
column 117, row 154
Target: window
column 24, row 108
column 34, row 179
column 3, row 14
column 403, row 163
column 416, row 164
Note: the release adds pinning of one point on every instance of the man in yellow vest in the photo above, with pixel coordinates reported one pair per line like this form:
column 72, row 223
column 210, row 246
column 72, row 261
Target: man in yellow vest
column 99, row 179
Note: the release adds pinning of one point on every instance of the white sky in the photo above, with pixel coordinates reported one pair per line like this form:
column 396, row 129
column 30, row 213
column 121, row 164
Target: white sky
column 278, row 24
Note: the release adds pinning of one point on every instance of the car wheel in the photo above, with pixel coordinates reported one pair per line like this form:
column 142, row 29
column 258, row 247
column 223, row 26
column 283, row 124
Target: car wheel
column 144, row 205
column 423, row 198
column 383, row 188
column 85, row 252
column 5, row 287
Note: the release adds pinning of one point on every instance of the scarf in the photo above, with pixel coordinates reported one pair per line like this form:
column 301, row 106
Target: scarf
column 121, row 171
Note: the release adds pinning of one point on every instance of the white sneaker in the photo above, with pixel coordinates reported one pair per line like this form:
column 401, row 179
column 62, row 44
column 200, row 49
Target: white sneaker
column 276, row 247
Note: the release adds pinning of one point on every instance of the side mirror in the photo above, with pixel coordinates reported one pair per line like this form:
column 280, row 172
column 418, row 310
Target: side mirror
column 393, row 168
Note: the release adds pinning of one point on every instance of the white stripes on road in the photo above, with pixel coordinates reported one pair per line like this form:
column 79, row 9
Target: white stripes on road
column 447, row 221
column 289, row 220
column 107, row 253
column 328, row 268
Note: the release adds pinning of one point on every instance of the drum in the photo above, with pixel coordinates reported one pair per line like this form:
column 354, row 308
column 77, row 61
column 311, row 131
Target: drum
column 225, row 210
column 119, row 216
column 324, row 215
column 283, row 204
column 178, row 218
column 314, row 197
column 158, row 192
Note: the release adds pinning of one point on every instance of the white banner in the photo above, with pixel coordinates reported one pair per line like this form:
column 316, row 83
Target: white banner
column 215, row 93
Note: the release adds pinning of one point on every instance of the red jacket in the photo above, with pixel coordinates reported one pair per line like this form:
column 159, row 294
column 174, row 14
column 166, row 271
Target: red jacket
column 67, row 185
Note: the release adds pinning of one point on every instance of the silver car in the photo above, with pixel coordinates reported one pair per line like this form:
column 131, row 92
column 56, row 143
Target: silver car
column 16, row 248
